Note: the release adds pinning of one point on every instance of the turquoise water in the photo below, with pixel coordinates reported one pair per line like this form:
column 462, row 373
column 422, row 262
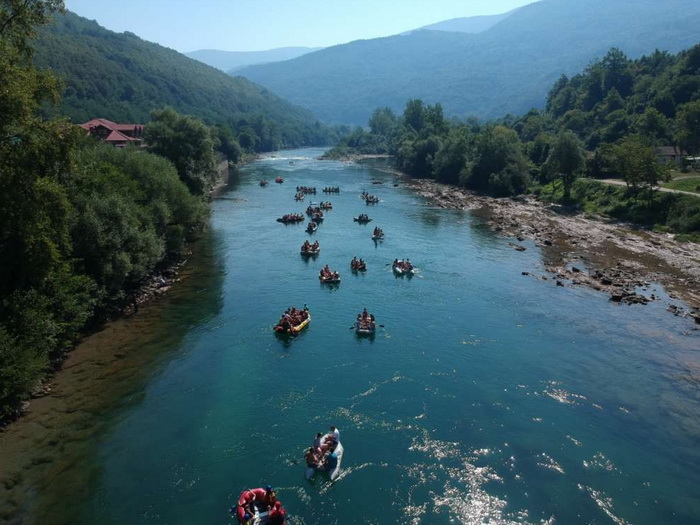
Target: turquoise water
column 486, row 397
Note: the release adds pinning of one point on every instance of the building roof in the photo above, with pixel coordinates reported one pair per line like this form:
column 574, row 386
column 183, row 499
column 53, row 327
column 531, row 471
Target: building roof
column 118, row 133
column 669, row 151
column 118, row 136
column 108, row 124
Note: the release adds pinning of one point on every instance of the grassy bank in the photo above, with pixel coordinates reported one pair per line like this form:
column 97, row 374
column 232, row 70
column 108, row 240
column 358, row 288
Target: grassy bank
column 691, row 184
column 660, row 211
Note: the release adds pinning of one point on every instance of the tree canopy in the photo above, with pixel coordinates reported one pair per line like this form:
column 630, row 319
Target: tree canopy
column 82, row 224
column 566, row 159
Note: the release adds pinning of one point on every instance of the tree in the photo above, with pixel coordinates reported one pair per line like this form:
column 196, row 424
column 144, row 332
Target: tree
column 638, row 165
column 688, row 127
column 538, row 149
column 414, row 115
column 451, row 159
column 615, row 72
column 499, row 165
column 652, row 124
column 187, row 143
column 37, row 292
column 19, row 19
column 383, row 122
column 383, row 127
column 566, row 159
column 34, row 153
column 226, row 143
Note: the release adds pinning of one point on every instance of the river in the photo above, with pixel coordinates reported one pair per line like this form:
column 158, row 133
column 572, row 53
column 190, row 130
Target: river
column 486, row 396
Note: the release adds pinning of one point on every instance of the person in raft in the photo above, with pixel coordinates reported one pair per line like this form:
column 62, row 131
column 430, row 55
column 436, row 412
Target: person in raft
column 317, row 442
column 331, row 441
column 311, row 458
column 247, row 503
column 270, row 498
column 277, row 514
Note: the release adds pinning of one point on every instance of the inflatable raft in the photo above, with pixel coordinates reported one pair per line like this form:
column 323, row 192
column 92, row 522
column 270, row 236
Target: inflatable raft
column 252, row 508
column 331, row 463
column 294, row 329
column 402, row 267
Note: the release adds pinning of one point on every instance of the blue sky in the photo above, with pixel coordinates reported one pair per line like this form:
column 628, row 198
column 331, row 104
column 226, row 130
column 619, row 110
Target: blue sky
column 253, row 25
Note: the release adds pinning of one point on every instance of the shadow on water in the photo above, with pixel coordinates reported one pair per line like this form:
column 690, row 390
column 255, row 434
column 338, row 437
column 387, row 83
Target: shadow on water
column 49, row 457
column 234, row 180
column 361, row 338
column 309, row 258
column 431, row 217
column 285, row 339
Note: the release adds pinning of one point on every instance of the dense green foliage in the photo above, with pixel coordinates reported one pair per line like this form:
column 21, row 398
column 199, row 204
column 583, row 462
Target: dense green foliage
column 673, row 212
column 486, row 158
column 655, row 96
column 506, row 69
column 613, row 106
column 82, row 224
column 187, row 143
column 565, row 159
column 123, row 78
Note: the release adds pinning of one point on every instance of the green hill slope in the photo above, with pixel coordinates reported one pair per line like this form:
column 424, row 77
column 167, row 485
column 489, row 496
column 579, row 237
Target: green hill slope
column 506, row 69
column 121, row 77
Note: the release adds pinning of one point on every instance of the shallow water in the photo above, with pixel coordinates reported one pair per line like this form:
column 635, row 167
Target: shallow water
column 486, row 397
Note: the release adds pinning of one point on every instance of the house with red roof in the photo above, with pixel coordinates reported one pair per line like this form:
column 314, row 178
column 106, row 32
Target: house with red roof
column 118, row 135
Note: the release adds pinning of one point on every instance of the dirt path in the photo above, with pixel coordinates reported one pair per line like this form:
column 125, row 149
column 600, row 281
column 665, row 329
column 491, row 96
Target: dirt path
column 617, row 182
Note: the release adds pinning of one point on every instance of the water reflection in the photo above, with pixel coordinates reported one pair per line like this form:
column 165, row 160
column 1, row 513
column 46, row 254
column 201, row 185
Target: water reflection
column 49, row 459
column 234, row 179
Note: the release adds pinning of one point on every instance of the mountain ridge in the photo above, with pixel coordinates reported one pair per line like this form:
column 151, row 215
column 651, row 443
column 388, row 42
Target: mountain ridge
column 507, row 68
column 230, row 61
column 468, row 24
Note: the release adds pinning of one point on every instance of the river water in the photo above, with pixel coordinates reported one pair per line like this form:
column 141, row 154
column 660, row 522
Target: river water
column 487, row 396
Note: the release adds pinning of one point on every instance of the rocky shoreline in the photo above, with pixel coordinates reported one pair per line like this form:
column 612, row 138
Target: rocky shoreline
column 608, row 256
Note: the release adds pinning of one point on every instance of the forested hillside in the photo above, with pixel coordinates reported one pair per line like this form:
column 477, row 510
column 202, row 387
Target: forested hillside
column 616, row 96
column 606, row 121
column 123, row 78
column 507, row 69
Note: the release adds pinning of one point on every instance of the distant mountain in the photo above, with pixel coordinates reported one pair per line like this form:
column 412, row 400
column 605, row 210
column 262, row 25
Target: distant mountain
column 470, row 24
column 508, row 68
column 231, row 60
column 120, row 77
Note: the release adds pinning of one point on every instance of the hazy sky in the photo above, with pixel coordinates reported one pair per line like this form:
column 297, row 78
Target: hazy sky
column 253, row 25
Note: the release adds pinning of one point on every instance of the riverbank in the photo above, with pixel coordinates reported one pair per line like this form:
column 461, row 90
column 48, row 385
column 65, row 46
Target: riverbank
column 155, row 285
column 103, row 375
column 161, row 281
column 612, row 257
